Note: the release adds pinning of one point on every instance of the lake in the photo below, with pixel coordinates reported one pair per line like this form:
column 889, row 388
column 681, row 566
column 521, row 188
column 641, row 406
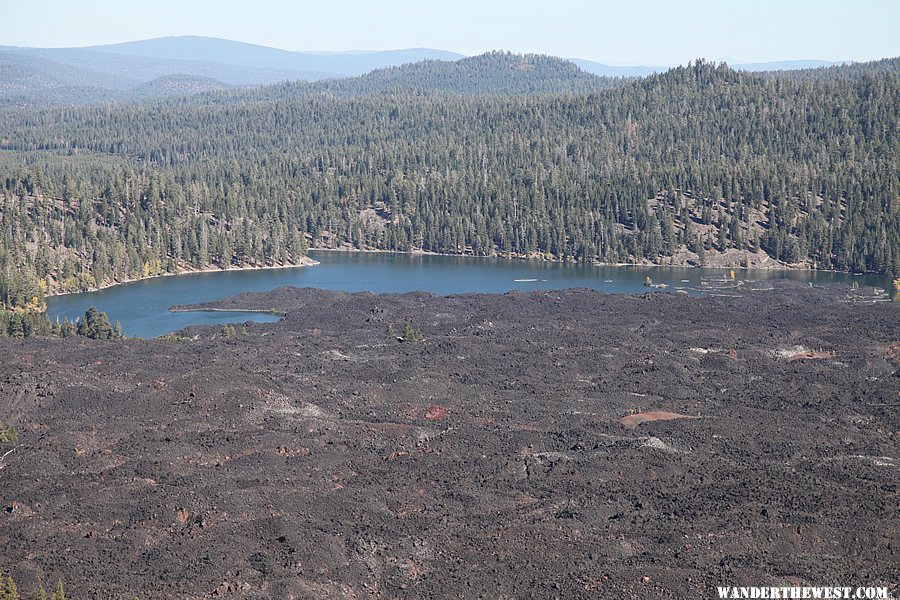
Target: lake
column 142, row 307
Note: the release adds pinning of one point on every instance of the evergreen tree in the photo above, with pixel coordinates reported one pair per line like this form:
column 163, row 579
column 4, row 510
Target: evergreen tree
column 8, row 590
column 16, row 328
column 95, row 325
column 59, row 594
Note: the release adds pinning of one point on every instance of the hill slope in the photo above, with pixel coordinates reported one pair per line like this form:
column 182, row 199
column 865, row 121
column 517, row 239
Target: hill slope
column 701, row 165
column 34, row 81
column 178, row 85
column 603, row 70
column 494, row 73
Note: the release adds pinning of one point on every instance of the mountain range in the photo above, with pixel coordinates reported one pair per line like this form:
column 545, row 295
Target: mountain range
column 191, row 64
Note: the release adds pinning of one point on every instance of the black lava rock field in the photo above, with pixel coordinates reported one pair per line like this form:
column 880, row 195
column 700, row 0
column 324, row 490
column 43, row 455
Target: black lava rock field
column 564, row 444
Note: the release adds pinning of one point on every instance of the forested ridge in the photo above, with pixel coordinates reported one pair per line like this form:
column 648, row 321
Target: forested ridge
column 698, row 164
column 33, row 81
column 493, row 73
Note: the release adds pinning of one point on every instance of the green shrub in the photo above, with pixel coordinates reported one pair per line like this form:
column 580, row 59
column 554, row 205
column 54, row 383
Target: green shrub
column 7, row 434
column 412, row 334
column 8, row 589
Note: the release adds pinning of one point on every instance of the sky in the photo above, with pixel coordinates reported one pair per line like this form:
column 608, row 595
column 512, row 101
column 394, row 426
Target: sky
column 630, row 32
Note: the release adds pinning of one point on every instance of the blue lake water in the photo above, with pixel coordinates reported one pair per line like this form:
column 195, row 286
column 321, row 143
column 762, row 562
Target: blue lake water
column 143, row 307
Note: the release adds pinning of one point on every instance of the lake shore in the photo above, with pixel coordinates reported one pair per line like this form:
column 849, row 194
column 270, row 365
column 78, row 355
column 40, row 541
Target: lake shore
column 306, row 262
column 263, row 311
column 145, row 310
column 769, row 265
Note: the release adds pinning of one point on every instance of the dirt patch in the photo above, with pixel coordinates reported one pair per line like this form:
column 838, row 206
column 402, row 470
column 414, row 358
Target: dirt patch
column 632, row 421
column 657, row 444
column 799, row 352
column 338, row 355
column 811, row 355
column 289, row 452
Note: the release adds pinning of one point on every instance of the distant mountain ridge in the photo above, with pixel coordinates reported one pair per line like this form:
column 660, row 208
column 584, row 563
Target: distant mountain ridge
column 316, row 65
column 120, row 71
column 193, row 64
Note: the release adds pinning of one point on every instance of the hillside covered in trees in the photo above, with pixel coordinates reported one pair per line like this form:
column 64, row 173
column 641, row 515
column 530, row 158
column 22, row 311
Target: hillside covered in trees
column 494, row 73
column 521, row 156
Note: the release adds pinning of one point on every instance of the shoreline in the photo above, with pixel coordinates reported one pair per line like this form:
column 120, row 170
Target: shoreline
column 261, row 311
column 778, row 265
column 310, row 262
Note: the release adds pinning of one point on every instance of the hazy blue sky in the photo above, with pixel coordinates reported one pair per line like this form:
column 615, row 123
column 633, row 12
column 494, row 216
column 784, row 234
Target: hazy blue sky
column 656, row 32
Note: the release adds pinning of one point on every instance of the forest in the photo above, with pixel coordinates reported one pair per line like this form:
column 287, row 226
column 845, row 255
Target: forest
column 9, row 591
column 674, row 168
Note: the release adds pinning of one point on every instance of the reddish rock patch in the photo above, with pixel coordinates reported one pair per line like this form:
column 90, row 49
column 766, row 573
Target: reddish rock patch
column 893, row 351
column 435, row 412
column 395, row 455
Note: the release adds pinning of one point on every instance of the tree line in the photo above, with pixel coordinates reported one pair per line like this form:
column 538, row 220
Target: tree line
column 22, row 323
column 9, row 591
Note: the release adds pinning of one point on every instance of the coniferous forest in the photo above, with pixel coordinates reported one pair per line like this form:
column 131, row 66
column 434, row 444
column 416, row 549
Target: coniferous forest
column 511, row 155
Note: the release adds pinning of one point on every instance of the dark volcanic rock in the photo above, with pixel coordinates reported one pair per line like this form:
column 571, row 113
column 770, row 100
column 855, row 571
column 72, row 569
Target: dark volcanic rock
column 322, row 457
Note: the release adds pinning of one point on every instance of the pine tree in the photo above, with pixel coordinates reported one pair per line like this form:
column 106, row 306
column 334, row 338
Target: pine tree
column 59, row 594
column 95, row 325
column 701, row 253
column 16, row 326
column 66, row 328
column 8, row 589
